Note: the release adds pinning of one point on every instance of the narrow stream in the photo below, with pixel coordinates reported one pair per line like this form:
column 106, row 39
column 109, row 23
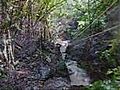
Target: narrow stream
column 78, row 76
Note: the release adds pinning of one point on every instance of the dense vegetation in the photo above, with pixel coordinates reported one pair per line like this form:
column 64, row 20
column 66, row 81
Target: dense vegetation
column 29, row 30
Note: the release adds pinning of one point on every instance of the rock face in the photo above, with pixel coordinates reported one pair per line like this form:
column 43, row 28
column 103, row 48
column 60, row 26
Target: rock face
column 113, row 16
column 87, row 53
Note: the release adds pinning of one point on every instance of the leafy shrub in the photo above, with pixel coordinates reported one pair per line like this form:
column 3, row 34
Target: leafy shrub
column 112, row 84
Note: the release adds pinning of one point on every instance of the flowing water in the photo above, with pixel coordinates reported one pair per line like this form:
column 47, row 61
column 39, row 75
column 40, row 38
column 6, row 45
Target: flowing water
column 78, row 76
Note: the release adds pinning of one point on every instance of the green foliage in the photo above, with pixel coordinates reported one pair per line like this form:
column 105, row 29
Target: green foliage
column 115, row 73
column 108, row 57
column 112, row 84
column 93, row 19
column 90, row 14
column 116, row 43
column 111, row 55
column 45, row 7
column 104, row 85
column 15, row 12
column 2, row 74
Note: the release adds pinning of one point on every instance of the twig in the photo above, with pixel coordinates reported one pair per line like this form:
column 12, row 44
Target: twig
column 106, row 30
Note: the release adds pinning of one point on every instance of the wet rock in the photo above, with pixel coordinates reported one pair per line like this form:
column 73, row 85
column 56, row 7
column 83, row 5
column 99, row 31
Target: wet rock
column 78, row 76
column 63, row 47
column 57, row 83
column 41, row 72
column 61, row 70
